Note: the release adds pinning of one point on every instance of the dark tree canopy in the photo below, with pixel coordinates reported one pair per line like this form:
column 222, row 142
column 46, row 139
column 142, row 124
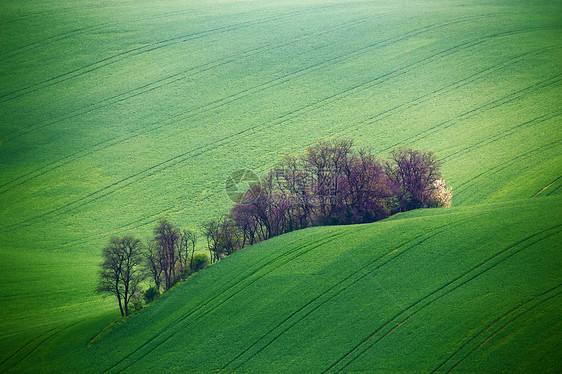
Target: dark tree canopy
column 413, row 174
column 329, row 184
column 168, row 257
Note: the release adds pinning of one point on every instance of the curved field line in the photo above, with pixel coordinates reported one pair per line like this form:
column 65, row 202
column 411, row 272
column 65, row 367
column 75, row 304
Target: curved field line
column 133, row 52
column 418, row 100
column 68, row 34
column 307, row 248
column 39, row 344
column 73, row 8
column 366, row 272
column 228, row 139
column 548, row 185
column 44, row 13
column 505, row 133
column 367, row 344
column 232, row 98
column 145, row 49
column 174, row 160
column 253, row 90
column 449, row 88
column 177, row 77
column 146, row 220
column 487, row 106
column 502, row 328
column 499, row 167
column 438, row 297
column 551, row 192
column 496, row 322
column 216, row 104
column 236, row 288
column 454, row 288
column 49, row 40
column 25, row 345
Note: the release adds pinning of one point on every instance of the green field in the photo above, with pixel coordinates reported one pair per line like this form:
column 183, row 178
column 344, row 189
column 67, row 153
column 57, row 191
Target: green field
column 116, row 114
column 423, row 291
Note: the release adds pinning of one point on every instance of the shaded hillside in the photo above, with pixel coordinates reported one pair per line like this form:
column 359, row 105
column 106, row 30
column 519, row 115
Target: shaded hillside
column 116, row 114
column 426, row 290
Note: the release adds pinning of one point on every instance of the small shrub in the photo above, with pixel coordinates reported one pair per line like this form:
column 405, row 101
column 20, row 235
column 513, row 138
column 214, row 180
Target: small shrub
column 441, row 195
column 150, row 294
column 134, row 306
column 184, row 274
column 200, row 261
column 137, row 305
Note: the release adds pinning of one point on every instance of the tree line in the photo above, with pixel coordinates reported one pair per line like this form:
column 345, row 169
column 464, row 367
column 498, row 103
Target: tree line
column 329, row 184
column 165, row 259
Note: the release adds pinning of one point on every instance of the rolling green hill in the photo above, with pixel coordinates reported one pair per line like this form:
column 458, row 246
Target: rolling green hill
column 423, row 291
column 116, row 114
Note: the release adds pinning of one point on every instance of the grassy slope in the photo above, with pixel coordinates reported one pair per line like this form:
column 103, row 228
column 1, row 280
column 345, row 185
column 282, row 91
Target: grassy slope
column 113, row 115
column 421, row 291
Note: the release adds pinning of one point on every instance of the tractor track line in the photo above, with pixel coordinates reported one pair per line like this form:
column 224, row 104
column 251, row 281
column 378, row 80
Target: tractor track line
column 475, row 111
column 502, row 166
column 216, row 104
column 449, row 88
column 505, row 133
column 503, row 101
column 502, row 328
column 452, row 289
column 315, row 105
column 495, row 322
column 172, row 79
column 138, row 51
column 25, row 345
column 548, row 185
column 297, row 252
column 386, row 42
column 148, row 48
column 40, row 343
column 366, row 272
column 71, row 33
column 259, row 88
column 551, row 192
column 434, row 293
column 340, row 58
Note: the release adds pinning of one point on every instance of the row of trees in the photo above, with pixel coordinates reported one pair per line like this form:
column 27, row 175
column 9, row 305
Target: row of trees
column 329, row 184
column 163, row 260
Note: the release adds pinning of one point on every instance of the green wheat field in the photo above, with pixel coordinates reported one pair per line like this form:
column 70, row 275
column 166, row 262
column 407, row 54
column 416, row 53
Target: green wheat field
column 114, row 115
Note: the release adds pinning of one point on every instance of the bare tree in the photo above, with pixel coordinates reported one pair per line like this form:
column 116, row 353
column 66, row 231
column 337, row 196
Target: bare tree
column 153, row 264
column 120, row 272
column 188, row 240
column 166, row 237
column 366, row 189
column 211, row 230
column 183, row 249
column 412, row 174
column 329, row 184
column 247, row 224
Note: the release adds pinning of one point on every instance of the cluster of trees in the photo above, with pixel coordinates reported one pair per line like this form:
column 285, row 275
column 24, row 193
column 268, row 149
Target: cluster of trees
column 329, row 184
column 165, row 259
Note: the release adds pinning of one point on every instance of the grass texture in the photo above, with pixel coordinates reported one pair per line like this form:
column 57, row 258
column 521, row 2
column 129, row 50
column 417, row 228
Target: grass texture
column 425, row 291
column 116, row 114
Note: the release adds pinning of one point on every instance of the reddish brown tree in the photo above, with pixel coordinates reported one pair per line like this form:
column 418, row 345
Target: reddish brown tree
column 412, row 174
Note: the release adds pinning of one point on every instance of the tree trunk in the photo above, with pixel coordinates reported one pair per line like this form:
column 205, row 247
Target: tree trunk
column 120, row 305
